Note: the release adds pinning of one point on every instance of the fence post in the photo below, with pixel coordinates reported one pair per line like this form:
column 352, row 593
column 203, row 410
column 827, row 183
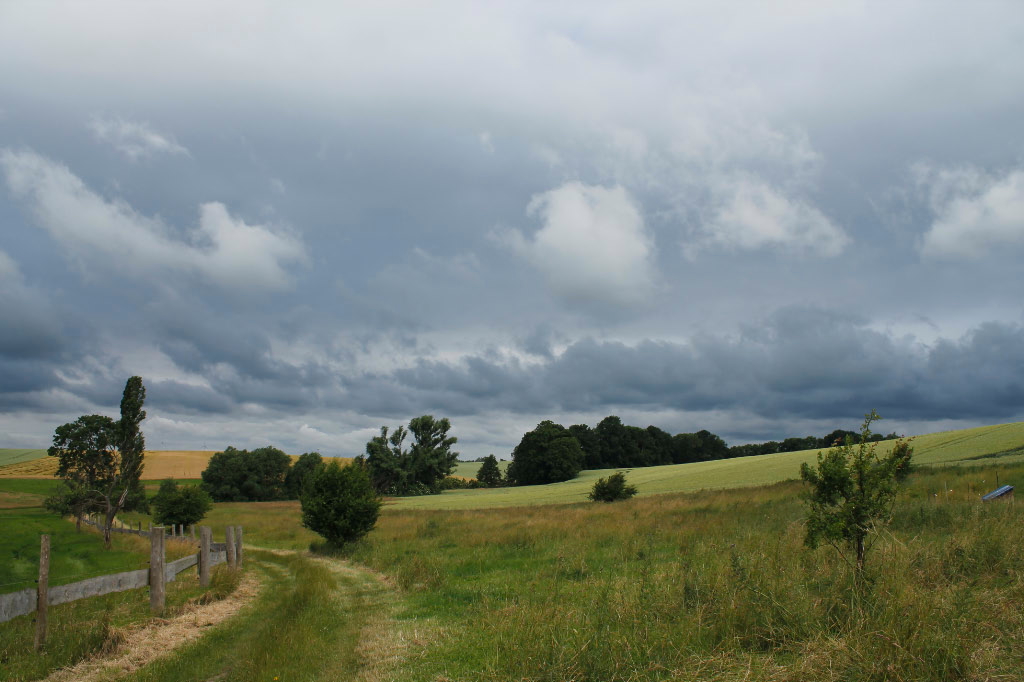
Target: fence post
column 229, row 540
column 156, row 571
column 42, row 591
column 238, row 546
column 204, row 556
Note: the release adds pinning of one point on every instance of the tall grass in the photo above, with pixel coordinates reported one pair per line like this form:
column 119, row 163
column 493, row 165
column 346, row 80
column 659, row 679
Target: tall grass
column 716, row 585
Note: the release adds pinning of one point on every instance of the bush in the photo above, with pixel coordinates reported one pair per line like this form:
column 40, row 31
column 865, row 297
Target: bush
column 340, row 503
column 457, row 483
column 180, row 505
column 612, row 488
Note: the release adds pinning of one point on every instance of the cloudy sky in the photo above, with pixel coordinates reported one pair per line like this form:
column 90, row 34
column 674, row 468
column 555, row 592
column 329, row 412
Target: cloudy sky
column 298, row 223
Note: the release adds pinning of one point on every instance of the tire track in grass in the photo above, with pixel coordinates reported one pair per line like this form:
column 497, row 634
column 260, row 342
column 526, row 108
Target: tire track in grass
column 317, row 618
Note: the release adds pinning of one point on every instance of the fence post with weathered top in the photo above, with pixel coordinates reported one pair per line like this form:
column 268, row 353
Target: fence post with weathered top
column 42, row 591
column 156, row 571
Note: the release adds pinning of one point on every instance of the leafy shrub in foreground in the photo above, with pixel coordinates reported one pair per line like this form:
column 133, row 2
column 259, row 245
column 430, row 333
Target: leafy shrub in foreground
column 612, row 488
column 340, row 503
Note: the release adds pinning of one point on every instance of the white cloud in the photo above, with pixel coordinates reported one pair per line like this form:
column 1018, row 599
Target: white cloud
column 974, row 212
column 592, row 246
column 486, row 142
column 222, row 249
column 755, row 216
column 134, row 139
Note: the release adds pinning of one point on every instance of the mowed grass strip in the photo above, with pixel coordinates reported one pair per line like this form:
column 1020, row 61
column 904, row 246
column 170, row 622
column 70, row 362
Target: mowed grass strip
column 306, row 624
column 1002, row 443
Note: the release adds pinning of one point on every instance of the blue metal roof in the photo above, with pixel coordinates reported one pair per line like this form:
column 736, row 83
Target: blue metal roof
column 998, row 492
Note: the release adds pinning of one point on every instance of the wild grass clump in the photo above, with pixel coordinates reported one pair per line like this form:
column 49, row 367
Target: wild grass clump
column 717, row 585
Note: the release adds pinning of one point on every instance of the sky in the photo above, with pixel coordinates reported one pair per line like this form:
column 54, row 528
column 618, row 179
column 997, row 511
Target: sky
column 298, row 222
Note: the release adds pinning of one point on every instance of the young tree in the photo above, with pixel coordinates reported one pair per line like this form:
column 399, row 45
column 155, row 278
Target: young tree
column 489, row 473
column 340, row 503
column 612, row 488
column 185, row 505
column 852, row 492
column 101, row 460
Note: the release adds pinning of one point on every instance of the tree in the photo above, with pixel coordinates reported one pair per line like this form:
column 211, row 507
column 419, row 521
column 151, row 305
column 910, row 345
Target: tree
column 431, row 451
column 547, row 454
column 489, row 473
column 612, row 488
column 420, row 469
column 306, row 464
column 101, row 460
column 852, row 492
column 340, row 503
column 242, row 476
column 184, row 505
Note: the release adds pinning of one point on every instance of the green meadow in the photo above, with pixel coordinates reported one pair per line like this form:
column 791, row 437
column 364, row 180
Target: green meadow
column 703, row 576
column 13, row 456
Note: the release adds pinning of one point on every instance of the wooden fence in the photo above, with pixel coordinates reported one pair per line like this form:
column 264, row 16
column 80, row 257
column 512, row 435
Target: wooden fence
column 159, row 573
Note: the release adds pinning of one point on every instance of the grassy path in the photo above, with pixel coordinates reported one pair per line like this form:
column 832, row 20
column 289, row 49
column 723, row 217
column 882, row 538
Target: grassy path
column 314, row 619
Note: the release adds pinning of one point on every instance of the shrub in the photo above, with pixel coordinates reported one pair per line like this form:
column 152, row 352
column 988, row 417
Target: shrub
column 340, row 503
column 612, row 488
column 185, row 505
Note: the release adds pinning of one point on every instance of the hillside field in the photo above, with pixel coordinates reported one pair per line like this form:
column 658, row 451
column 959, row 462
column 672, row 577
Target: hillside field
column 1001, row 443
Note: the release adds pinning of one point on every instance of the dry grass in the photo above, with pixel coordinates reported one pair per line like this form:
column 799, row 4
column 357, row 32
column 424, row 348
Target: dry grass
column 140, row 645
column 160, row 464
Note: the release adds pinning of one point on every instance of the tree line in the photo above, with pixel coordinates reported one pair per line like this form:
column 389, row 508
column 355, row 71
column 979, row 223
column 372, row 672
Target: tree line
column 552, row 452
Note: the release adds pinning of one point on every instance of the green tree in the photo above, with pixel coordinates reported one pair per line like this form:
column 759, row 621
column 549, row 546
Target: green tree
column 852, row 492
column 489, row 473
column 388, row 462
column 306, row 464
column 612, row 488
column 242, row 476
column 547, row 454
column 419, row 469
column 431, row 451
column 185, row 505
column 101, row 460
column 340, row 503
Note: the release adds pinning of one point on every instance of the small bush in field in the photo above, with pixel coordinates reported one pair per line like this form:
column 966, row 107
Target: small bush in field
column 340, row 503
column 612, row 488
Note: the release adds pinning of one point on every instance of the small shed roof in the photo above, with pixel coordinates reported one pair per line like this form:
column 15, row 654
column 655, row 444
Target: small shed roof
column 999, row 492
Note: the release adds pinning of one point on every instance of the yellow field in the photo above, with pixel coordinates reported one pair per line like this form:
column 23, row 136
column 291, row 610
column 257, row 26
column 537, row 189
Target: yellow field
column 160, row 464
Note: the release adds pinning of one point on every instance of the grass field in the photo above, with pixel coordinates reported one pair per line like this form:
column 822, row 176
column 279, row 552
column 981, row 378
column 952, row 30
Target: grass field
column 11, row 456
column 1002, row 443
column 710, row 585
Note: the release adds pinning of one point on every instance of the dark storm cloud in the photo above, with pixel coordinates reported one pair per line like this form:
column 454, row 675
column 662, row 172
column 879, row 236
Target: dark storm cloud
column 800, row 362
column 174, row 396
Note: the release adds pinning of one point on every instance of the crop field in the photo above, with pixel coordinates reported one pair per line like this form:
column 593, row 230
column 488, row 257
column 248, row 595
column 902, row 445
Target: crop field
column 160, row 464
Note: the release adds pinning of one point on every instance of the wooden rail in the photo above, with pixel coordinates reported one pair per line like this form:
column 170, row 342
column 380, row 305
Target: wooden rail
column 37, row 599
